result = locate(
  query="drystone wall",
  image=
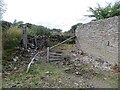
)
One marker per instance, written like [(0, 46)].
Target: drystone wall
[(100, 38)]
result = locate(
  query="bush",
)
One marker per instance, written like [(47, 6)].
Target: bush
[(11, 38), (39, 30)]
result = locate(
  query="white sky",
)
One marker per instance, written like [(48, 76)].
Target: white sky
[(50, 13)]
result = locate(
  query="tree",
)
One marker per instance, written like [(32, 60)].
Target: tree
[(38, 30), (5, 25), (73, 28), (2, 8), (115, 10), (105, 12), (55, 31), (17, 23)]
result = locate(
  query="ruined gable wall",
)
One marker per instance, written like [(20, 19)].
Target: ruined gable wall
[(100, 38)]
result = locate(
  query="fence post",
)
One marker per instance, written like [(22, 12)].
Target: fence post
[(35, 41), (48, 53), (25, 36)]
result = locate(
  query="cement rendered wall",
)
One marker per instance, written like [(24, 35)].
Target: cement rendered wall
[(100, 38)]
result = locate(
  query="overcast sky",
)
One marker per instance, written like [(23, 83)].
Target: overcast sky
[(51, 13)]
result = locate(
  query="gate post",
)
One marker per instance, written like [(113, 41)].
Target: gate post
[(48, 53)]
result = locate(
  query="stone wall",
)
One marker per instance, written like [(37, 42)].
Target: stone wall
[(100, 38)]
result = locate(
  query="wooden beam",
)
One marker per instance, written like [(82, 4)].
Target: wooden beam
[(38, 53), (62, 42)]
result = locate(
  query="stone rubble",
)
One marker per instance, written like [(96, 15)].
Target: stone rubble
[(95, 63)]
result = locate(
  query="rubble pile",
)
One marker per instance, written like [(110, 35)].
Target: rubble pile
[(98, 63), (88, 66), (21, 59)]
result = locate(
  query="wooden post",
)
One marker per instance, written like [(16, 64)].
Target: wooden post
[(25, 36), (48, 53), (35, 41)]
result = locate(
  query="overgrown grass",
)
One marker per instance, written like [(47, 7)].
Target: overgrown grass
[(113, 80), (33, 78), (10, 42), (11, 38)]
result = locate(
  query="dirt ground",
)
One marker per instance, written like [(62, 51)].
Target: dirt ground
[(70, 74)]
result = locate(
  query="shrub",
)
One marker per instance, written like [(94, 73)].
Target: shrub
[(11, 38)]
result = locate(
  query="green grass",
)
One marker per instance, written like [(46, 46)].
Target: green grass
[(33, 78), (113, 80)]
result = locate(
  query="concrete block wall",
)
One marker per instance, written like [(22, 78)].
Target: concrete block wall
[(100, 38)]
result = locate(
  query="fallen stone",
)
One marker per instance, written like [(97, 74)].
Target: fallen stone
[(115, 68), (74, 55), (14, 59), (80, 81), (67, 69), (105, 78), (77, 73), (60, 81), (48, 73), (28, 50), (14, 85), (15, 68), (76, 84)]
